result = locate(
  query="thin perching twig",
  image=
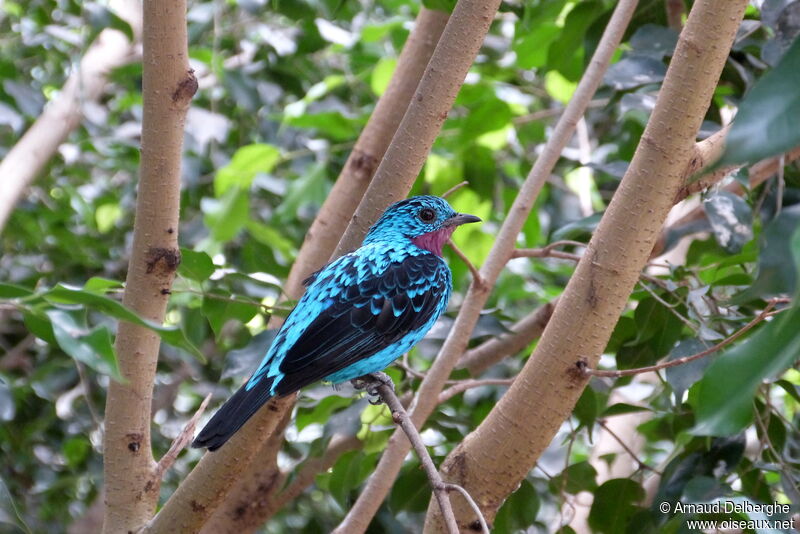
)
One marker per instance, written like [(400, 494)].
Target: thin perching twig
[(454, 189), (627, 449), (476, 275), (472, 504), (180, 442), (767, 312), (381, 384), (464, 385)]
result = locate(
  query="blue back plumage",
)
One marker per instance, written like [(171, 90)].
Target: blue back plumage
[(358, 314)]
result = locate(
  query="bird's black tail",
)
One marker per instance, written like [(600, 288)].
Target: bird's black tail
[(233, 414)]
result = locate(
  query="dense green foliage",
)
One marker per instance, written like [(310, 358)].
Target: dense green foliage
[(285, 87)]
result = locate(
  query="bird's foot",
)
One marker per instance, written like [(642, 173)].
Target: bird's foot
[(371, 382)]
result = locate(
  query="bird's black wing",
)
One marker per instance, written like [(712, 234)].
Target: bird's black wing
[(365, 318)]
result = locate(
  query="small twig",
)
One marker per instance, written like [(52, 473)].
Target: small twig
[(381, 384), (476, 275), (627, 449), (180, 442), (680, 361), (670, 307), (464, 385), (87, 395), (472, 504), (548, 251), (543, 253), (17, 357), (454, 189)]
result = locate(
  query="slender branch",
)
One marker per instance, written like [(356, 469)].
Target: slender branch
[(767, 312), (554, 112), (472, 504), (523, 332), (476, 275), (181, 441), (16, 357), (381, 384), (454, 189), (313, 466), (464, 385), (622, 444)]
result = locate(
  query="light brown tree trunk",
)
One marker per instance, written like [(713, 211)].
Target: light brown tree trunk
[(131, 489), (493, 459)]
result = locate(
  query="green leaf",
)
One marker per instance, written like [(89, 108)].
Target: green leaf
[(681, 377), (411, 491), (346, 476), (776, 276), (563, 52), (228, 215), (577, 477), (271, 237), (219, 308), (492, 114), (76, 450), (330, 123), (382, 74), (531, 47), (614, 503), (90, 346), (440, 5), (246, 163), (731, 220), (173, 335), (13, 291), (321, 411), (310, 188), (723, 399), (519, 511), (107, 215), (634, 71), (195, 265), (766, 123), (98, 284)]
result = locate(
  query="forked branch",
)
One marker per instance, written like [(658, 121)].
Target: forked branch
[(381, 385)]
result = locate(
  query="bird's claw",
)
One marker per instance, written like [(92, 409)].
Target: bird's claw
[(371, 382)]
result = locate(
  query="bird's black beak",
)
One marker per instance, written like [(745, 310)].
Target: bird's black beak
[(461, 218)]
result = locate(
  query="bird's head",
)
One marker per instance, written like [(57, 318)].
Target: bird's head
[(426, 221)]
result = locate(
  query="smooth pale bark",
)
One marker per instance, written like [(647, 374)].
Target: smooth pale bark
[(26, 159), (168, 85), (492, 460), (380, 482)]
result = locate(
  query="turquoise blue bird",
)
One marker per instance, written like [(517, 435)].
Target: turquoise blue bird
[(359, 313)]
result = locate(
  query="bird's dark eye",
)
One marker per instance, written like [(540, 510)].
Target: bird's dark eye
[(427, 215)]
